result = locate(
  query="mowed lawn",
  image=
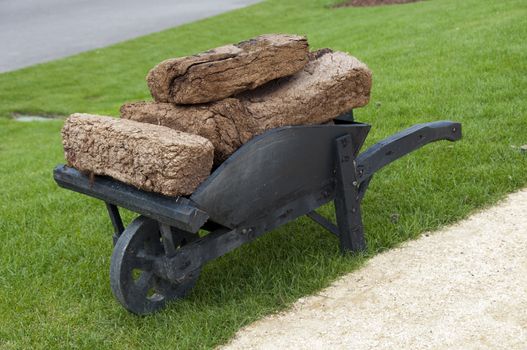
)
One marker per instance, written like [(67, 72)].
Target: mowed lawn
[(438, 59)]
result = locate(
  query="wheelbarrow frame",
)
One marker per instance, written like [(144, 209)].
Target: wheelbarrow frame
[(335, 172)]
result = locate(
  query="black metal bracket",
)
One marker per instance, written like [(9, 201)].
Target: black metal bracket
[(168, 239), (117, 222), (325, 223), (347, 199), (193, 256)]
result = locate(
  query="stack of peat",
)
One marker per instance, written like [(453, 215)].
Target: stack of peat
[(208, 105)]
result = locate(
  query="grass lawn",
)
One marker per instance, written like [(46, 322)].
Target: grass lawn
[(437, 59)]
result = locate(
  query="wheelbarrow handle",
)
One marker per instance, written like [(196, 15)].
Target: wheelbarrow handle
[(402, 143)]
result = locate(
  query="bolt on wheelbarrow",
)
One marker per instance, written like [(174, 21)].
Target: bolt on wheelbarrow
[(273, 179)]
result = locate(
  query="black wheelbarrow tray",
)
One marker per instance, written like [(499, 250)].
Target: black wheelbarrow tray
[(271, 180)]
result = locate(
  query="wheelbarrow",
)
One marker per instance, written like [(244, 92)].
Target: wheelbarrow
[(273, 179)]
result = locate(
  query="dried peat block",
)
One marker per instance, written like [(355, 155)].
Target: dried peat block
[(224, 123), (149, 157), (330, 84), (227, 70)]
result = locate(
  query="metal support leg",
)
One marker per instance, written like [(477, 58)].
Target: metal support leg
[(117, 222), (347, 198), (168, 239), (325, 223)]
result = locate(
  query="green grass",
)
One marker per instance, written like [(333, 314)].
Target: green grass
[(438, 59)]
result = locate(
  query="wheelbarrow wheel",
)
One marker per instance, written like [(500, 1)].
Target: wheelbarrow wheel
[(132, 277)]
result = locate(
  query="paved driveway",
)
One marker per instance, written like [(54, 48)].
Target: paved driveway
[(35, 31)]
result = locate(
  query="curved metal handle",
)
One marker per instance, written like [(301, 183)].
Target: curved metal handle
[(402, 143)]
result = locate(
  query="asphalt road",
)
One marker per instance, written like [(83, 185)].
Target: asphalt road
[(36, 31)]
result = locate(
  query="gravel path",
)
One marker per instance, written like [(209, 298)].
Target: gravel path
[(463, 287)]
